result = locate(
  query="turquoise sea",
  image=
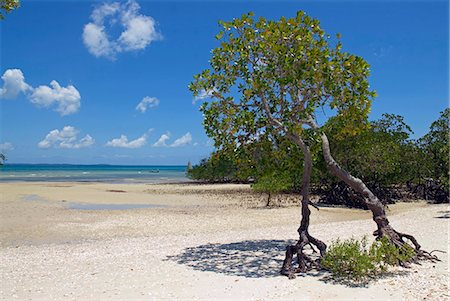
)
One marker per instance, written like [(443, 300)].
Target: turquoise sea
[(92, 173)]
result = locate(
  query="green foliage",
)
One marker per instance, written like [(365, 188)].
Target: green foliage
[(219, 168), (380, 153), (266, 81), (276, 160), (435, 146), (285, 69), (385, 253), (384, 154), (6, 6), (273, 182), (255, 160), (2, 159), (349, 260), (353, 260)]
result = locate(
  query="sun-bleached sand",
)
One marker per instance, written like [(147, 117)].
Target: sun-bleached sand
[(190, 242)]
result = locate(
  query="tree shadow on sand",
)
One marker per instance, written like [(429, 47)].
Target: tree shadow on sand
[(250, 258), (257, 259), (328, 278)]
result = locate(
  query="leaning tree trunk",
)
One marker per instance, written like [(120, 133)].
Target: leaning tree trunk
[(373, 203), (304, 261)]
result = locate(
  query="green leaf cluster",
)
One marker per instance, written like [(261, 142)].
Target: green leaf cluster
[(285, 69), (273, 182), (435, 145), (257, 161), (219, 168), (353, 260), (381, 153), (6, 6)]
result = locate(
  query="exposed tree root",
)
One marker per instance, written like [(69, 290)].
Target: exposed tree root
[(305, 262), (400, 240)]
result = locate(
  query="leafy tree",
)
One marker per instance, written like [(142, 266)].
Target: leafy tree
[(381, 155), (218, 168), (2, 159), (273, 183), (272, 77), (375, 154), (432, 178), (6, 6), (252, 161), (436, 146)]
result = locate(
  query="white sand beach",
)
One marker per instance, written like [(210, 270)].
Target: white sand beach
[(190, 242)]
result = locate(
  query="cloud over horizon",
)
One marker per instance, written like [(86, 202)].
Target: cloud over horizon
[(183, 140), (137, 30), (65, 138), (66, 99), (123, 142), (162, 140)]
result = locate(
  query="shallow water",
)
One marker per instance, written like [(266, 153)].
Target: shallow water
[(92, 173), (33, 198)]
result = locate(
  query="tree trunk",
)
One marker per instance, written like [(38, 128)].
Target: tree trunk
[(268, 199), (305, 237), (372, 202)]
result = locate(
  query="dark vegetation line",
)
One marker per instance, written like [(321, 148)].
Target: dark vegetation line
[(394, 166)]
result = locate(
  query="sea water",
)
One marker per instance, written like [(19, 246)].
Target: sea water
[(93, 173)]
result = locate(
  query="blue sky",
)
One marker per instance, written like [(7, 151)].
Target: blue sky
[(71, 96)]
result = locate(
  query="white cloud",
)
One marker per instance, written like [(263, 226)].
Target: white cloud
[(67, 98), (146, 103), (185, 139), (85, 142), (65, 138), (105, 10), (138, 30), (13, 84), (124, 143), (96, 40), (6, 146), (162, 140), (203, 95)]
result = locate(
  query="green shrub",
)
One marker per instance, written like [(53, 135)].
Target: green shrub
[(354, 261), (273, 183), (385, 253), (349, 260)]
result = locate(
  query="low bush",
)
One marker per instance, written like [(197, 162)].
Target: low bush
[(355, 261)]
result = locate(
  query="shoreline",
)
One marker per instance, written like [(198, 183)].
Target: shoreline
[(209, 241)]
